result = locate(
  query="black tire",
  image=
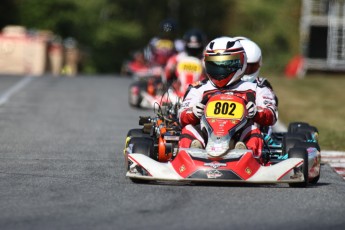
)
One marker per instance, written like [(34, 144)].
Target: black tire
[(299, 136), (308, 135), (299, 152), (315, 179), (289, 142), (139, 181), (293, 126), (303, 127), (143, 145), (142, 85), (311, 130), (308, 144), (313, 145), (137, 133)]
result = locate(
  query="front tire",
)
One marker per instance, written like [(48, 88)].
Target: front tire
[(300, 152), (134, 93), (143, 145)]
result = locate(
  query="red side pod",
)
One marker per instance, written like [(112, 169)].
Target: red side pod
[(185, 165), (247, 166)]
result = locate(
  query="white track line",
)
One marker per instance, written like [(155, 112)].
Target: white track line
[(14, 89)]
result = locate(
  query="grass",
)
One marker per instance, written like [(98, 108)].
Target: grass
[(317, 99)]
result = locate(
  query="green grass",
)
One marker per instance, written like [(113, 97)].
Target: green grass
[(316, 99)]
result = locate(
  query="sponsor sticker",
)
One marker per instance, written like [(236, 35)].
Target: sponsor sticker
[(215, 165), (248, 171), (213, 174)]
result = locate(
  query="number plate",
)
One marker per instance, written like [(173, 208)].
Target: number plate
[(189, 67), (224, 109)]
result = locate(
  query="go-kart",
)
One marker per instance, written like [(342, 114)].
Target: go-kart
[(152, 153), (148, 90)]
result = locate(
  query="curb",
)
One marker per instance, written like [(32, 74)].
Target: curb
[(336, 159)]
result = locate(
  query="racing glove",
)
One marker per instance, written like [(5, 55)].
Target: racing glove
[(251, 107), (198, 109)]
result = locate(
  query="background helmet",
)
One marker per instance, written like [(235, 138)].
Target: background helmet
[(225, 61), (254, 59), (168, 28), (194, 41)]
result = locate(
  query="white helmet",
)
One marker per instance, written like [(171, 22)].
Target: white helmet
[(254, 59), (225, 61)]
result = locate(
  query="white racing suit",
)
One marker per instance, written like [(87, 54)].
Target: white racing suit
[(266, 115)]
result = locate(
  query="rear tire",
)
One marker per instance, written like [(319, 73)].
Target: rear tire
[(294, 126), (307, 145), (302, 127), (299, 152), (289, 141)]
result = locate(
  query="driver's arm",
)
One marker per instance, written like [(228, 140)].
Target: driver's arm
[(267, 111), (186, 115)]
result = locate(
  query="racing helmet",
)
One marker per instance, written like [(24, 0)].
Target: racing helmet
[(254, 59), (194, 41), (225, 61), (167, 28)]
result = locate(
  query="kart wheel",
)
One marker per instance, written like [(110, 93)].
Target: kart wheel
[(143, 145), (137, 133), (134, 93), (299, 136), (138, 181), (134, 99), (293, 126), (312, 145), (315, 179), (299, 152), (308, 145), (312, 131), (302, 127), (289, 142)]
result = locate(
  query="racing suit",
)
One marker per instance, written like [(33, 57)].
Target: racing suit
[(159, 50), (172, 74), (263, 82), (266, 115)]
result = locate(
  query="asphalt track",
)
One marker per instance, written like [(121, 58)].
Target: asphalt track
[(62, 167)]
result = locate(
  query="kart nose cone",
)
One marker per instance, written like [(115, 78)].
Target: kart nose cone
[(217, 146)]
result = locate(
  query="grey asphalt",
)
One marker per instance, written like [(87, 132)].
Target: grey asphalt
[(62, 167)]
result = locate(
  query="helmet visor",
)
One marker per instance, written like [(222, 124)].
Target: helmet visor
[(220, 67)]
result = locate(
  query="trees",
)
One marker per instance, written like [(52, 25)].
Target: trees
[(108, 30)]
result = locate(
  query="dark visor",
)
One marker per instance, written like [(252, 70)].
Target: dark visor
[(222, 69)]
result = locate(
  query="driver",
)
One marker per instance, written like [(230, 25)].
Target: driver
[(162, 47), (194, 46), (225, 63), (254, 62)]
